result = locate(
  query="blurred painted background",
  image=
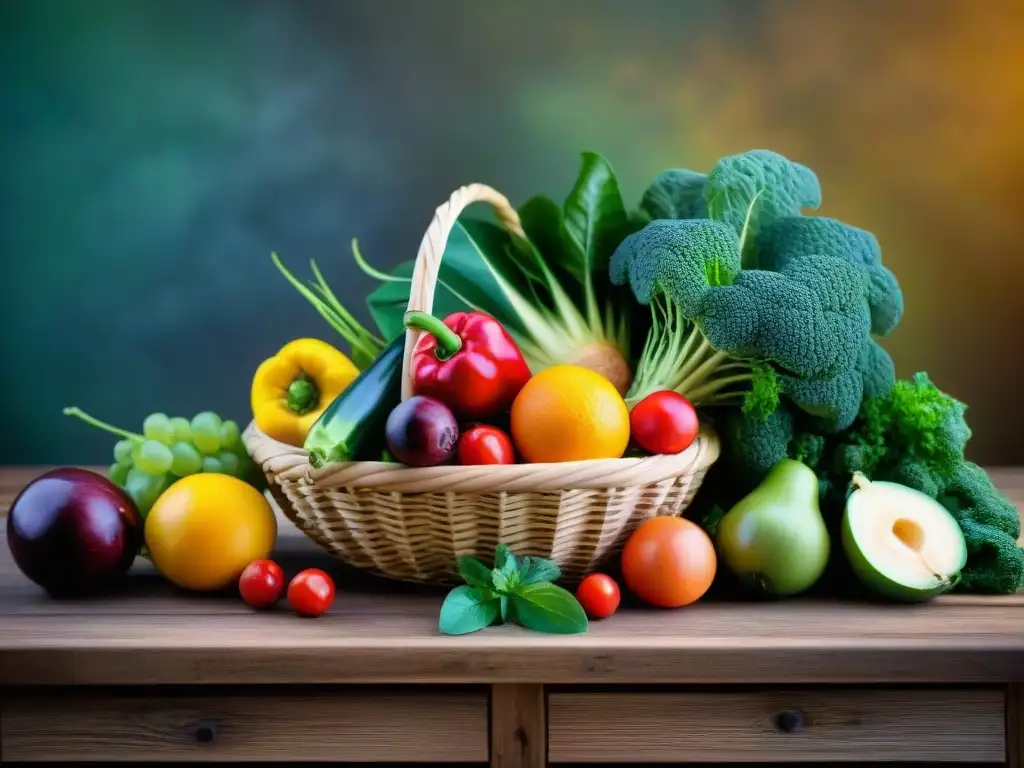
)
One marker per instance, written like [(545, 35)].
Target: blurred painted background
[(154, 153)]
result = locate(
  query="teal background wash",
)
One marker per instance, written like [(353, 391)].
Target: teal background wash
[(155, 152)]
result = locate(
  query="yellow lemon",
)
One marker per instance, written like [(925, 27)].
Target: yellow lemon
[(204, 529), (569, 413)]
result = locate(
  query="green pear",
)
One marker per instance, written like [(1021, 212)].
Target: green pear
[(775, 540)]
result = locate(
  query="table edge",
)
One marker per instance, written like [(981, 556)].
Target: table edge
[(983, 663)]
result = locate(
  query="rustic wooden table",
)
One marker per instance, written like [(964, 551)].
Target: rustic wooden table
[(156, 674)]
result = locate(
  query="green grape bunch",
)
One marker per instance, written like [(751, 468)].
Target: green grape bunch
[(146, 464)]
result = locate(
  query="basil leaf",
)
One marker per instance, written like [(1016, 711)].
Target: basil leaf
[(502, 554), (468, 609), (534, 569), (595, 221), (545, 607), (474, 573), (505, 607), (503, 582)]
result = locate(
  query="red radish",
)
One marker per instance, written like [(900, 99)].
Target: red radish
[(664, 422)]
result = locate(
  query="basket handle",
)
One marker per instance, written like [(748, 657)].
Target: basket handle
[(428, 260)]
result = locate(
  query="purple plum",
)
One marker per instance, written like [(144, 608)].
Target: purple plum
[(74, 532)]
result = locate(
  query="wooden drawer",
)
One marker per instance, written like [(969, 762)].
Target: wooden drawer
[(920, 725), (360, 725)]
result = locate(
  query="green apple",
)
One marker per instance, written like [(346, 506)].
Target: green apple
[(901, 543)]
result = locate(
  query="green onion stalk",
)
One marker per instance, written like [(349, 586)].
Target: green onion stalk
[(366, 346)]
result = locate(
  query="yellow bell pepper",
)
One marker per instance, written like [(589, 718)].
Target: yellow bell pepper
[(291, 389)]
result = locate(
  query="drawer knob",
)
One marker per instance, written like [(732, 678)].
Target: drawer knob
[(206, 732), (790, 721)]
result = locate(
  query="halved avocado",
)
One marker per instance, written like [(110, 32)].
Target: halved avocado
[(901, 543)]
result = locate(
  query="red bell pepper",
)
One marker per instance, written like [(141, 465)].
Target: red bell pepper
[(468, 361)]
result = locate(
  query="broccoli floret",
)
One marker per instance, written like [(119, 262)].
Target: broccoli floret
[(808, 448), (742, 190), (925, 424), (716, 329), (750, 190), (682, 258), (914, 434), (809, 318), (761, 400), (796, 237), (725, 333), (991, 526), (835, 401), (675, 193), (876, 368), (916, 474), (751, 446)]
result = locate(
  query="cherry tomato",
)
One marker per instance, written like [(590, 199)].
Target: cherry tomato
[(664, 422), (484, 444), (261, 583), (311, 592), (599, 595)]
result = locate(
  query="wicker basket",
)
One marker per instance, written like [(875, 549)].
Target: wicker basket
[(411, 524)]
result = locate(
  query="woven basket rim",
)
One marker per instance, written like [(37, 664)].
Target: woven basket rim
[(290, 463)]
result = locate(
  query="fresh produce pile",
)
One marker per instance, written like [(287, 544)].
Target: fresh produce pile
[(720, 296), (604, 331)]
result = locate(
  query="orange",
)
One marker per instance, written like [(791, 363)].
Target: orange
[(205, 528), (569, 413), (669, 562)]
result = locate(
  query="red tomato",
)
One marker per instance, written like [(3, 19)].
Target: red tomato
[(484, 444), (261, 583), (664, 422), (599, 595), (669, 562), (311, 592)]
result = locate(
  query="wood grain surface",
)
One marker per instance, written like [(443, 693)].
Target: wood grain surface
[(951, 725), (519, 737), (385, 633), (1015, 726), (360, 725)]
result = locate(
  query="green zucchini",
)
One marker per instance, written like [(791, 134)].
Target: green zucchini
[(352, 426)]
